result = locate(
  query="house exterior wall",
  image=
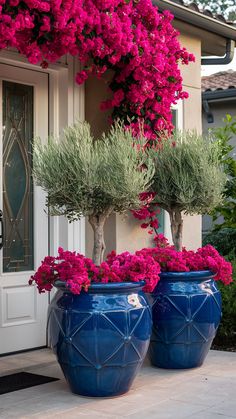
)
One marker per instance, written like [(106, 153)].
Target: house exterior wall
[(69, 102), (123, 232), (219, 110), (192, 119)]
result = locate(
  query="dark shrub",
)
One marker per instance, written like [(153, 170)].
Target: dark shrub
[(226, 335), (224, 241)]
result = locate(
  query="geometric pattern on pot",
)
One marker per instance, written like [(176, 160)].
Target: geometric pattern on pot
[(186, 314), (112, 332), (192, 316), (100, 337)]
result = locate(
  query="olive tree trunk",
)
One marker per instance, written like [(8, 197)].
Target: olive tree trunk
[(97, 222), (176, 223)]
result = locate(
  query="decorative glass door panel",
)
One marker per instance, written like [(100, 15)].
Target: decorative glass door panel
[(17, 180)]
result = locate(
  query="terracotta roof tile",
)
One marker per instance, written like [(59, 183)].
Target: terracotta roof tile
[(222, 80)]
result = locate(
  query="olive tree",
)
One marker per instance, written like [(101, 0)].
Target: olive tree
[(87, 177), (189, 178)]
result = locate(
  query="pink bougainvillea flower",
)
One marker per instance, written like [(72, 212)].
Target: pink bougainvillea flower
[(205, 258), (78, 272), (131, 38)]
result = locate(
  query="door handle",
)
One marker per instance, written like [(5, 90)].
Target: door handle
[(2, 230)]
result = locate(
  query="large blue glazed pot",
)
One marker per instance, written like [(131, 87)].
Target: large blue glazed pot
[(101, 336), (186, 309)]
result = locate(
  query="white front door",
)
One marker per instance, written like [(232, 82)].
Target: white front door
[(23, 115)]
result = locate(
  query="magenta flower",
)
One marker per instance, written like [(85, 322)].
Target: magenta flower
[(78, 272), (131, 38), (205, 258)]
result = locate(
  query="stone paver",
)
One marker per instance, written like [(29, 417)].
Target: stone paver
[(202, 393)]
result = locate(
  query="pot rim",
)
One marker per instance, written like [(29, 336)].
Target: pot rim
[(100, 288), (187, 276)]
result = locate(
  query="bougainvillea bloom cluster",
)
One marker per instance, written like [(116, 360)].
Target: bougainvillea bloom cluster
[(205, 258), (129, 37), (78, 272), (148, 213), (67, 266), (134, 268)]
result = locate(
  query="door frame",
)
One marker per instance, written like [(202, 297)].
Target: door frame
[(22, 313), (66, 105)]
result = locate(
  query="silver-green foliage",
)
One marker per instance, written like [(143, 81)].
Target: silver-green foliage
[(83, 176), (188, 174)]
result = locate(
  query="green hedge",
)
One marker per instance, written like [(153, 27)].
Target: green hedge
[(226, 335), (224, 241)]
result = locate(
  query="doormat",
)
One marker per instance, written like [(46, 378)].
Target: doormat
[(22, 380)]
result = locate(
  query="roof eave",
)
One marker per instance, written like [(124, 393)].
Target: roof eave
[(197, 19), (216, 95)]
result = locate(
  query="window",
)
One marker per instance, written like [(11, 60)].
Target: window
[(177, 112)]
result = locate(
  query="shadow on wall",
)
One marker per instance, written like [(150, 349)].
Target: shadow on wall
[(96, 91)]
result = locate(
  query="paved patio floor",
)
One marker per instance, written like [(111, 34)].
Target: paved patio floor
[(208, 392)]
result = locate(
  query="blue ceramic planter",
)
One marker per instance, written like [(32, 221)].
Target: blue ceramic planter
[(186, 308), (100, 337)]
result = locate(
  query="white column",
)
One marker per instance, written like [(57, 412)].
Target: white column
[(66, 106)]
